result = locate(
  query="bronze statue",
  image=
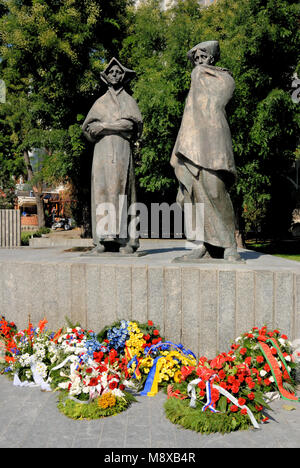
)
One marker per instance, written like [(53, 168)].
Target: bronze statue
[(203, 158), (114, 123)]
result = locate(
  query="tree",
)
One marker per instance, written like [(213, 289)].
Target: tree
[(259, 42), (52, 54)]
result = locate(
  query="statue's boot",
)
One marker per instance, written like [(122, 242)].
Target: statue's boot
[(127, 249), (196, 253), (231, 255), (100, 248)]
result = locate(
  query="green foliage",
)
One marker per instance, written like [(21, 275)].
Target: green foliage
[(179, 412), (52, 53), (259, 41), (76, 410), (26, 235)]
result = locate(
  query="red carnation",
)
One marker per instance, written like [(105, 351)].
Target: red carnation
[(244, 411), (243, 351), (113, 385), (186, 371), (241, 401), (274, 351), (248, 360), (259, 359), (223, 385), (235, 388), (93, 382), (230, 379), (215, 395), (234, 408), (150, 323), (155, 332), (98, 356), (201, 385), (251, 396), (261, 338)]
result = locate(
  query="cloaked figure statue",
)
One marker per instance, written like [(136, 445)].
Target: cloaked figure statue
[(114, 123), (203, 158)]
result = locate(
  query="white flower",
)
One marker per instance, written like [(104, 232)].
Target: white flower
[(263, 373), (288, 358), (271, 379), (63, 385), (117, 392), (281, 341), (41, 369)]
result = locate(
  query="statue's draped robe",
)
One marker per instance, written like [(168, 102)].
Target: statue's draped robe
[(113, 167), (203, 158)]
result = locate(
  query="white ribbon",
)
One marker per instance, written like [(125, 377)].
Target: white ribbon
[(38, 380), (62, 364), (192, 394)]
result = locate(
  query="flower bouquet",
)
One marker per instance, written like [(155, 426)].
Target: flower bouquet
[(7, 332), (90, 376), (28, 353), (150, 361), (229, 392)]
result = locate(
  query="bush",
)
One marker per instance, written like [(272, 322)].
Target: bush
[(25, 236)]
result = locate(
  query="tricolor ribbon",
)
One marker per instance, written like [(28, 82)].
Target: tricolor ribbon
[(192, 394), (209, 384), (209, 404)]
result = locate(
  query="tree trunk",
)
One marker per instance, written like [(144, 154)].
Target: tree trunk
[(239, 232), (37, 190), (239, 237)]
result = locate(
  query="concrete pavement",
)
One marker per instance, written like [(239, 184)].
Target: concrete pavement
[(29, 418)]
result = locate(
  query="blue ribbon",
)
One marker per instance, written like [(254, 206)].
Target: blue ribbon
[(166, 345), (150, 378)]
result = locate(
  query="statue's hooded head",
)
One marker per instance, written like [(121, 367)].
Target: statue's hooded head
[(116, 75), (204, 53)]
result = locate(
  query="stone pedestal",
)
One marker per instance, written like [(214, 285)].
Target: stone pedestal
[(203, 306)]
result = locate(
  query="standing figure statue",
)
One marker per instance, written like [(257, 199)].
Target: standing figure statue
[(114, 123), (203, 158)]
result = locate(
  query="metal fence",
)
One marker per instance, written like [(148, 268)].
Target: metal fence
[(10, 228)]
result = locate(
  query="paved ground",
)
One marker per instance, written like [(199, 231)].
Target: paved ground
[(29, 418)]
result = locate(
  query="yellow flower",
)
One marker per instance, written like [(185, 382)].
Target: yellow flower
[(177, 376), (107, 400)]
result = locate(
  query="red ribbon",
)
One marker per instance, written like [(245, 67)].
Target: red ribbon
[(276, 372)]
